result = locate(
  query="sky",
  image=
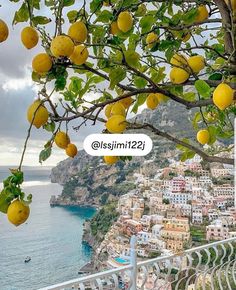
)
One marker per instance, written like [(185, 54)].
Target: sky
[(17, 92)]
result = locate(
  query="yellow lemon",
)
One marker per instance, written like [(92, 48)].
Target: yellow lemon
[(108, 110), (79, 55), (127, 102), (38, 114), (78, 31), (125, 21), (178, 75), (29, 37), (223, 96), (179, 60), (116, 124), (233, 4), (62, 140), (71, 150), (161, 98), (4, 32), (202, 13), (152, 101), (18, 212), (196, 63), (62, 45), (114, 29), (151, 39), (110, 159), (118, 109), (203, 136), (42, 63)]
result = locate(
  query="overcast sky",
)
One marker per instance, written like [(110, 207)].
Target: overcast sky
[(17, 92)]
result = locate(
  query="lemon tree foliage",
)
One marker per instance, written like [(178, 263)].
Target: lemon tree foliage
[(107, 58)]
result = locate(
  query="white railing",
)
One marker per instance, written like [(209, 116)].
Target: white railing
[(208, 267)]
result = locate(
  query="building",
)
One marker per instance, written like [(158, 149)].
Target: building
[(175, 233), (217, 231), (132, 227)]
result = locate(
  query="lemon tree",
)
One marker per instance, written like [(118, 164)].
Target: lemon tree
[(128, 54)]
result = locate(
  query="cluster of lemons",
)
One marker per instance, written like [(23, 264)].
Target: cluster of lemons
[(38, 115), (223, 97), (70, 46), (116, 121), (183, 67)]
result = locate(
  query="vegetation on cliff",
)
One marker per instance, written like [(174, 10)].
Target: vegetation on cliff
[(103, 220)]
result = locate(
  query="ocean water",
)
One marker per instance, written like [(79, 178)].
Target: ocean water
[(52, 237)]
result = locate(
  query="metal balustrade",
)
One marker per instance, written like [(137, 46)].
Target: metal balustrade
[(208, 267)]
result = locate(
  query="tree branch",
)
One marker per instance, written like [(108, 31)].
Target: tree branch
[(165, 135)]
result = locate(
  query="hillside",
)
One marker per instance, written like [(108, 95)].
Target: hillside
[(87, 180)]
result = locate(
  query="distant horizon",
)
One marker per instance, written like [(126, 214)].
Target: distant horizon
[(27, 166)]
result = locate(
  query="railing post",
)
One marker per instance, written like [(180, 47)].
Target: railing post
[(133, 262)]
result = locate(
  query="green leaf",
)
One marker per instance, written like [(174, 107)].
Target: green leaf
[(146, 23), (203, 89), (45, 154), (190, 96), (49, 3), (132, 58), (68, 2), (212, 130), (116, 75), (75, 84), (157, 75), (139, 82), (4, 202), (95, 4), (40, 20), (60, 83), (140, 101), (72, 15), (190, 16), (105, 16), (216, 77), (181, 147), (197, 118), (187, 155), (21, 15), (50, 127), (35, 77)]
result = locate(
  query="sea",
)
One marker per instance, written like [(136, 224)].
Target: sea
[(52, 238)]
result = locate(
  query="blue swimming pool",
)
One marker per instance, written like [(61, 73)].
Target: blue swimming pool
[(121, 260)]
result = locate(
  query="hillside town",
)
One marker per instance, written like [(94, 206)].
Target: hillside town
[(182, 206)]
